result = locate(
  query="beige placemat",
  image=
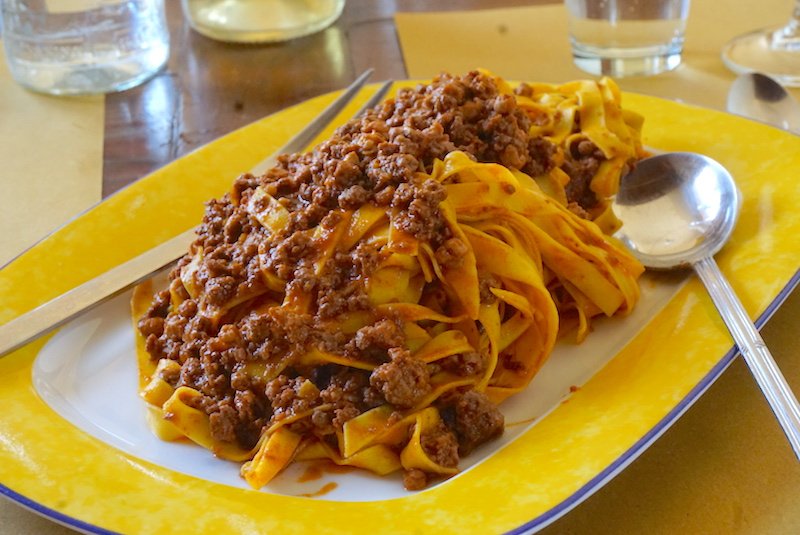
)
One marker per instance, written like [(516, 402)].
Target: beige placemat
[(531, 43), (51, 149), (725, 466)]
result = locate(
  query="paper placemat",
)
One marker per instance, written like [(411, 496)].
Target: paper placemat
[(531, 43), (52, 154)]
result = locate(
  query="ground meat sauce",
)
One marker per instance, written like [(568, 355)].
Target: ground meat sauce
[(373, 159), (581, 164)]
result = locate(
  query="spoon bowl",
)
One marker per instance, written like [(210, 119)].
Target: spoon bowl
[(678, 210), (757, 96)]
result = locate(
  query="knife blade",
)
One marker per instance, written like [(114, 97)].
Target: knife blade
[(56, 312)]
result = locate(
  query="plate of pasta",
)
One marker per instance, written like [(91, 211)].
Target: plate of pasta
[(427, 311)]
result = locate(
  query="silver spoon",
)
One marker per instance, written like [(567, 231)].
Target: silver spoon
[(678, 210), (757, 96)]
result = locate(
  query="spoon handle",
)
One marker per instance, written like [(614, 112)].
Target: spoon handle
[(752, 347)]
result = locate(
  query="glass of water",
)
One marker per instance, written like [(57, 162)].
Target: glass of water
[(627, 37), (79, 47), (260, 21)]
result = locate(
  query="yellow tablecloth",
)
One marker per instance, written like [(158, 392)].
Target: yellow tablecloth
[(725, 466)]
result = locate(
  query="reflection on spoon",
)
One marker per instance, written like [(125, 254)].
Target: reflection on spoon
[(678, 210)]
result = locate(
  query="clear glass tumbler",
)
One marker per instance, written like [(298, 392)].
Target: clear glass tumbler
[(260, 21), (627, 37), (80, 47)]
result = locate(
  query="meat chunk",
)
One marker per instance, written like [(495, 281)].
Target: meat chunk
[(477, 420), (582, 163), (417, 208), (440, 445), (223, 423), (415, 479), (290, 397), (372, 342), (451, 253), (403, 381)]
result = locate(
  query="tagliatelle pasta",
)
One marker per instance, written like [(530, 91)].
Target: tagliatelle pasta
[(572, 114), (372, 301)]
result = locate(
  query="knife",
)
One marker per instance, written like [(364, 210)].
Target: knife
[(113, 282)]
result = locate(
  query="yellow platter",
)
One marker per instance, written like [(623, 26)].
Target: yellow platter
[(53, 467)]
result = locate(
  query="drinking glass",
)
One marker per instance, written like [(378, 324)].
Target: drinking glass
[(773, 51), (260, 21), (627, 37), (83, 46)]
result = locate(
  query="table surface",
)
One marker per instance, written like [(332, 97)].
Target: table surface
[(210, 88)]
